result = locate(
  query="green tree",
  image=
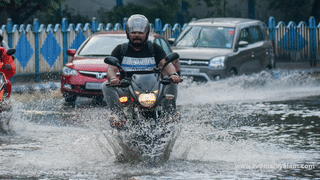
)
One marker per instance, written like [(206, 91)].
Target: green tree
[(294, 10), (20, 11), (166, 10), (220, 7), (68, 13)]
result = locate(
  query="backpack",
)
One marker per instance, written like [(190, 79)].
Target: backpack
[(124, 48)]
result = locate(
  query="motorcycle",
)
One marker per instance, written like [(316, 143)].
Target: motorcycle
[(5, 106), (148, 132)]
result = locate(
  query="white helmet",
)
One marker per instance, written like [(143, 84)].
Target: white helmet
[(137, 23)]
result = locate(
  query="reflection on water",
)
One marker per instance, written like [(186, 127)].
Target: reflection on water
[(246, 127)]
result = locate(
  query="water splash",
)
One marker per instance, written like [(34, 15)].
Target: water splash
[(135, 143), (254, 88), (225, 123)]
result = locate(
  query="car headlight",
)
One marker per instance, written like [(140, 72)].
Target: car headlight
[(147, 100), (69, 72), (217, 62)]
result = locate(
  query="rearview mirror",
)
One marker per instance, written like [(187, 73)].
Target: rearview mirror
[(111, 60), (170, 57), (71, 52), (11, 51), (243, 43), (171, 41)]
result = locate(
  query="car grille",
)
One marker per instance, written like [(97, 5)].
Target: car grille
[(98, 75), (194, 63)]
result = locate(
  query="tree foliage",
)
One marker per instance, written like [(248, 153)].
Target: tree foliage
[(166, 10), (293, 10), (20, 11), (315, 8), (219, 5), (68, 13)]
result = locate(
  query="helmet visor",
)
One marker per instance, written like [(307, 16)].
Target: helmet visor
[(138, 25)]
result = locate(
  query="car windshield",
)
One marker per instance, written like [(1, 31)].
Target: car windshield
[(101, 45), (207, 37)]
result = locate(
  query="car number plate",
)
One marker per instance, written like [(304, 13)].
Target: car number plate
[(187, 71), (93, 85)]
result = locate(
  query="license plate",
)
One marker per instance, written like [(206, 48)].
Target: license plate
[(93, 85), (188, 71)]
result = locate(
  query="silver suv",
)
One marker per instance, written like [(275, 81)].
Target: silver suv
[(215, 48)]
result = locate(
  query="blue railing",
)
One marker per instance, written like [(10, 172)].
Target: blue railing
[(293, 42), (43, 49)]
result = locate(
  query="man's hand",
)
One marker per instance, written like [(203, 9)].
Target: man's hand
[(114, 82), (7, 67), (175, 78)]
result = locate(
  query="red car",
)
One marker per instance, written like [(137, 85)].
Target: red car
[(84, 74)]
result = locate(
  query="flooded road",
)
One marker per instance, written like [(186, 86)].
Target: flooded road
[(253, 127)]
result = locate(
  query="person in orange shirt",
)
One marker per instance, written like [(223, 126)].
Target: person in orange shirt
[(8, 68)]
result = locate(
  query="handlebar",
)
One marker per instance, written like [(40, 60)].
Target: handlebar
[(125, 83), (166, 80)]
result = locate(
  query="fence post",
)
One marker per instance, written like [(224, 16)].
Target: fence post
[(272, 34), (94, 25), (9, 31), (36, 49), (124, 23), (313, 45), (176, 30), (158, 26), (271, 26), (64, 30)]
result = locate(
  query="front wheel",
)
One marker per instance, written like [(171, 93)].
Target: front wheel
[(149, 114), (233, 72), (69, 98), (98, 100)]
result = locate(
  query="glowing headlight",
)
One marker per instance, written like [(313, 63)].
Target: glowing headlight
[(123, 99), (69, 72), (217, 62), (147, 100)]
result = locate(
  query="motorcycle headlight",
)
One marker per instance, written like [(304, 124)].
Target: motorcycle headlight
[(69, 72), (217, 62), (147, 100)]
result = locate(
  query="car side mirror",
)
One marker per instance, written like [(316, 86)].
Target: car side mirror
[(71, 52), (243, 44), (11, 51), (171, 41)]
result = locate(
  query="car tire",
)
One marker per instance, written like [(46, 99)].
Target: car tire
[(98, 100), (233, 72), (269, 71), (70, 98)]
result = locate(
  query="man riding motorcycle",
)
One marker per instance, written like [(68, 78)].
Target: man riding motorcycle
[(8, 68), (138, 56)]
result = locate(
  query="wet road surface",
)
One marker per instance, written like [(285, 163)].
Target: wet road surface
[(253, 127)]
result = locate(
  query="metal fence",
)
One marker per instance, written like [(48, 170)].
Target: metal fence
[(43, 49), (295, 43)]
